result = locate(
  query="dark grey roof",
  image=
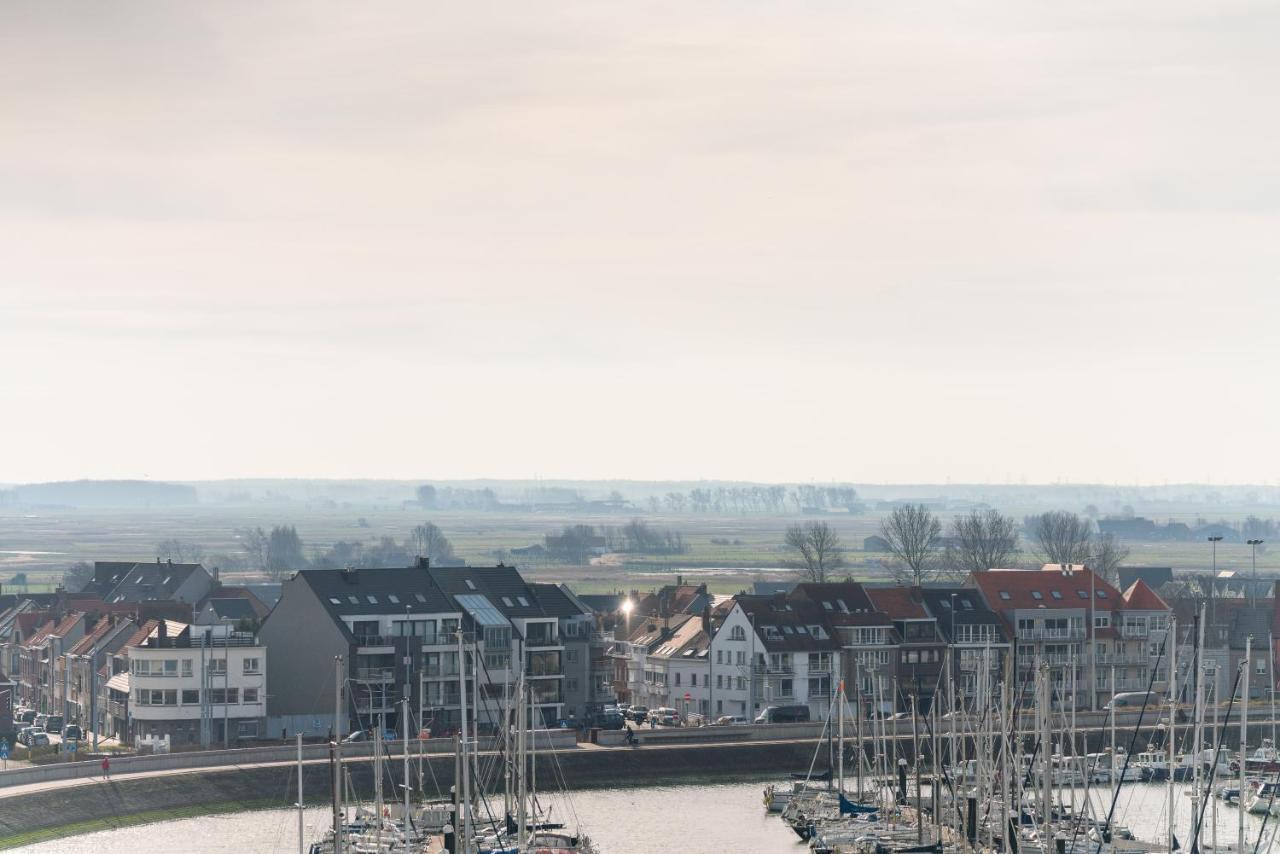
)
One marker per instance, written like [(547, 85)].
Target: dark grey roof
[(152, 582), (768, 588), (971, 609), (232, 609), (107, 574), (1249, 620), (503, 585), (602, 603), (554, 602), (348, 592), (791, 619)]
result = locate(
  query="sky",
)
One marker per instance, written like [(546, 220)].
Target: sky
[(860, 241)]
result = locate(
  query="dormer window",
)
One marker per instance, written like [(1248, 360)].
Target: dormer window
[(1056, 594), (471, 585), (1004, 594), (1036, 594)]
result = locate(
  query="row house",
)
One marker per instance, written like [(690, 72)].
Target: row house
[(867, 639), (39, 662), (121, 582), (778, 651), (422, 634), (82, 664), (187, 684), (920, 648), (642, 657), (1065, 617), (978, 643), (586, 673)]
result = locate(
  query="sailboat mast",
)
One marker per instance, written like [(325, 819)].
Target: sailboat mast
[(338, 821), (840, 756), (466, 765), (405, 818), (1171, 641), (302, 838), (1197, 740), (1244, 737)]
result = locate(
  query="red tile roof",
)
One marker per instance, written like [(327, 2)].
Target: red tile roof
[(1141, 597), (1022, 586), (86, 643), (900, 603), (144, 631)]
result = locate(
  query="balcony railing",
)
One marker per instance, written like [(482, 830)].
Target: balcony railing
[(1074, 633), (375, 640), (1130, 631), (376, 674), (436, 671)]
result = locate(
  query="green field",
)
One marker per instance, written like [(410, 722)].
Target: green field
[(42, 543)]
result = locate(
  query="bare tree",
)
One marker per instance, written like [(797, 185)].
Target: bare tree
[(985, 539), (912, 533), (1106, 556), (427, 540), (1062, 537), (819, 548), (77, 576)]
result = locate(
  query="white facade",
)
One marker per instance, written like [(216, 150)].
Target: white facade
[(793, 678), (191, 693)]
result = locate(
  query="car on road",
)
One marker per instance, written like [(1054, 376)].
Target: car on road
[(610, 720), (38, 739), (730, 720), (666, 716), (29, 732), (27, 716), (53, 723), (72, 732), (638, 714)]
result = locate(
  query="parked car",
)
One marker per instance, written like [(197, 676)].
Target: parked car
[(72, 732), (730, 720), (39, 739), (27, 717), (1134, 700), (666, 716), (27, 733), (611, 720), (783, 715), (40, 720), (53, 723), (638, 713)]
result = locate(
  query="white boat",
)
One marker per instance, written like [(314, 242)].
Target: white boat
[(1263, 799)]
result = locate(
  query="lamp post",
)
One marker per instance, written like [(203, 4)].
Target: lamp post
[(1253, 544), (1213, 579)]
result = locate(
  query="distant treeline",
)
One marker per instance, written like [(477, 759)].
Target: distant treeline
[(721, 499), (100, 493)]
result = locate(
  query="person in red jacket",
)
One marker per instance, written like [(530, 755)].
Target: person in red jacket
[(106, 768)]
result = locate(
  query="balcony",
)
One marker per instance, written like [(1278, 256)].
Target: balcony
[(376, 674), (375, 640), (1074, 633), (439, 671), (1130, 631)]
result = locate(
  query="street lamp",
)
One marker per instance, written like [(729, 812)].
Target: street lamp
[(1253, 544), (1213, 579)]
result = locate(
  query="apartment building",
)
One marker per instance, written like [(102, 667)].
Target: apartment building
[(868, 642), (920, 648), (84, 660), (774, 651), (1068, 619), (979, 645), (187, 684), (422, 633)]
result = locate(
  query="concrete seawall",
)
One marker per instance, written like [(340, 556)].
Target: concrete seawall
[(93, 805)]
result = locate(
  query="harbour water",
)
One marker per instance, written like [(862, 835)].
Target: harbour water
[(629, 819)]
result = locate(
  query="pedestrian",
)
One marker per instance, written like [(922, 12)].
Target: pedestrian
[(631, 736), (106, 768), (284, 733)]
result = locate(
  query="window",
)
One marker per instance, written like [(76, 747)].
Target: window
[(719, 656), (247, 729), (150, 697), (334, 600), (373, 600), (1056, 594), (252, 665), (719, 681), (186, 667), (742, 684), (786, 688), (190, 698), (1035, 594), (524, 603), (506, 600), (1082, 594), (1004, 594), (742, 658), (738, 633), (1102, 594), (393, 599), (1101, 621), (224, 697), (1260, 666), (353, 600), (572, 684), (471, 585), (571, 656), (827, 605), (218, 666), (251, 695), (420, 598), (693, 680), (677, 678)]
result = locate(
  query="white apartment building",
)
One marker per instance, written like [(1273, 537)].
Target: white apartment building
[(195, 685)]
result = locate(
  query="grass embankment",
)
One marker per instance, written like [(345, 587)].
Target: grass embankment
[(79, 828)]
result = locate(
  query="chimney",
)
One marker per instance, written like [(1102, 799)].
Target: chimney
[(162, 630), (170, 561), (679, 581), (215, 577), (422, 563)]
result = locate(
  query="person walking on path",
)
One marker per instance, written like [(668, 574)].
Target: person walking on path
[(106, 768)]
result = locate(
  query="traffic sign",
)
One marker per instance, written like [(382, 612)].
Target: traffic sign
[(71, 745), (687, 696), (4, 750)]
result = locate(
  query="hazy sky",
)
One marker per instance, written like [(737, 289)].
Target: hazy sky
[(872, 241)]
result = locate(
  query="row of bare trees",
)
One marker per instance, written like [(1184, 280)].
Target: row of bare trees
[(982, 539)]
